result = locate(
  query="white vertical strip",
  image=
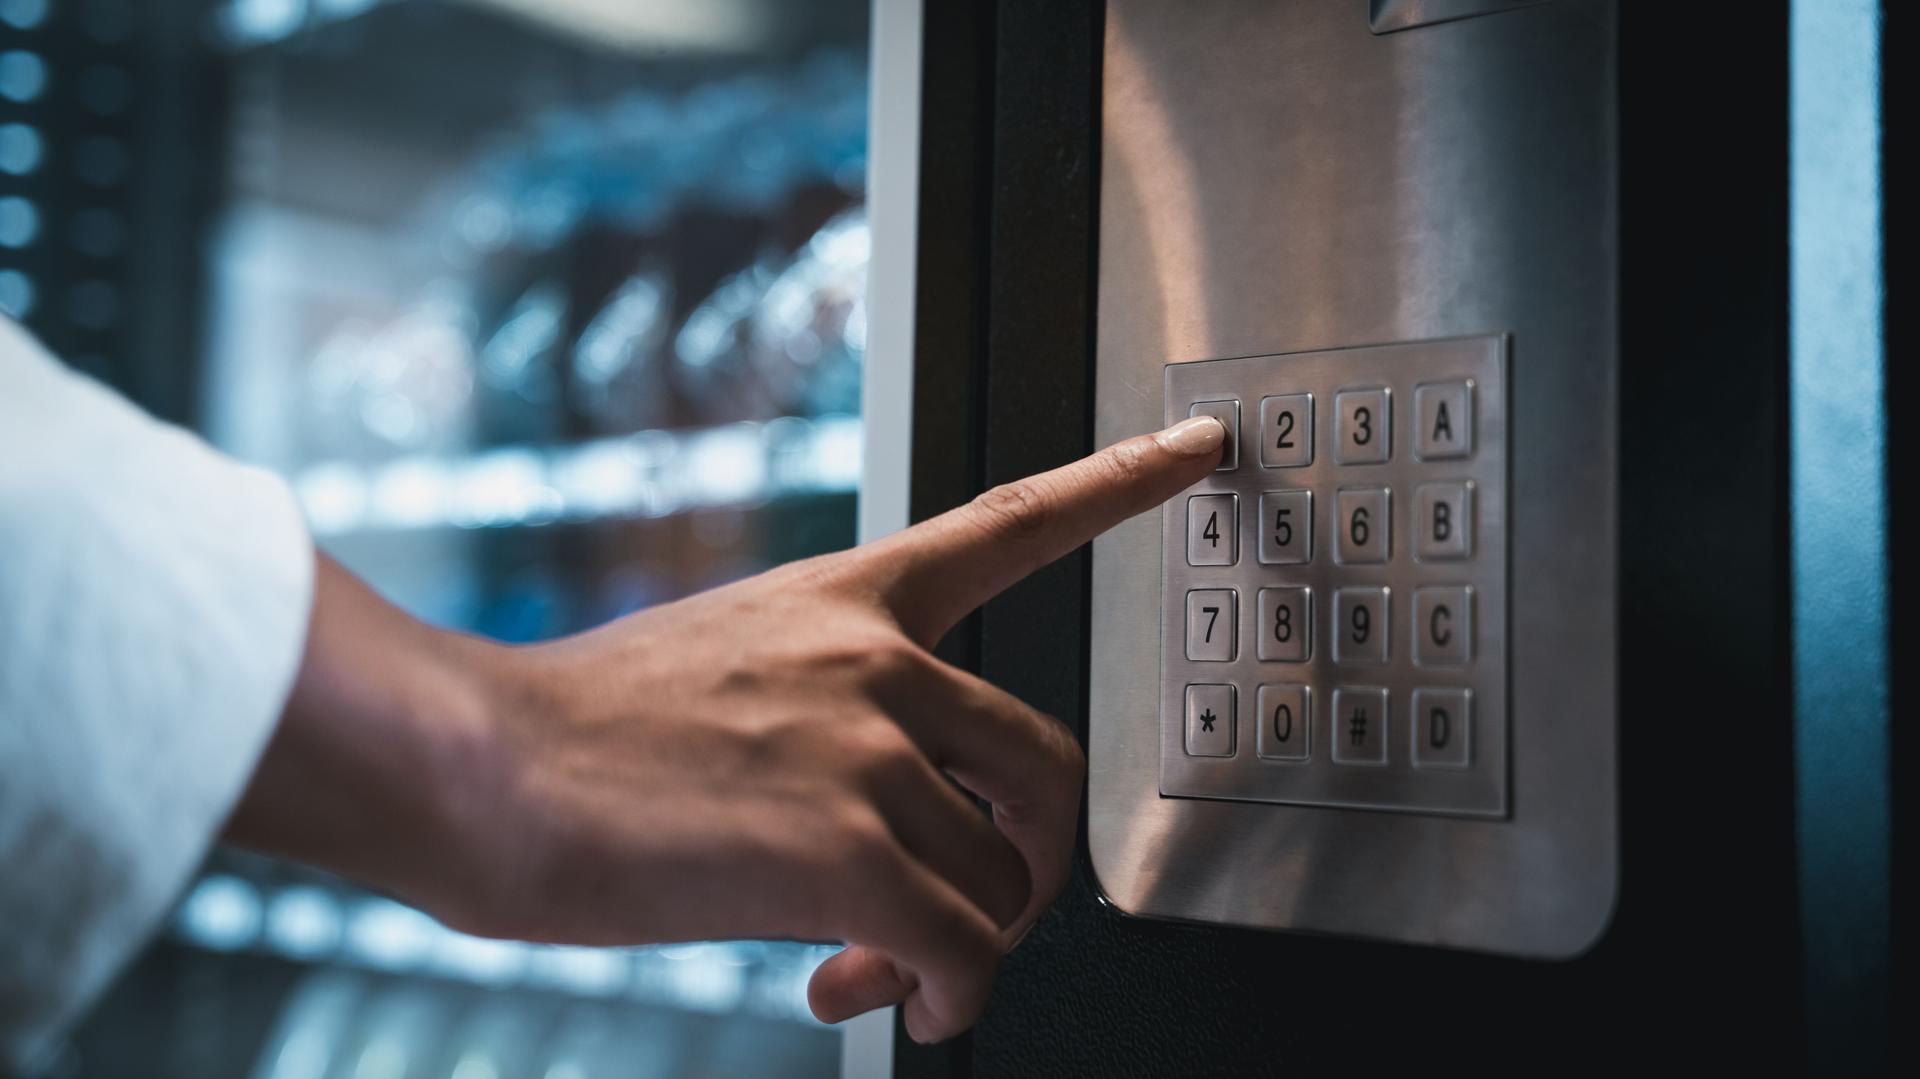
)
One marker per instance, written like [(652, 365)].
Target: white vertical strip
[(886, 390), (1844, 809), (893, 204)]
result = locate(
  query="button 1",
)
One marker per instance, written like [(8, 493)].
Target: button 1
[(1286, 624), (1442, 626), (1286, 527), (1444, 413), (1210, 625), (1359, 727), (1443, 522), (1286, 430), (1442, 728), (1210, 721), (1228, 413), (1285, 721), (1362, 426), (1360, 625), (1213, 530), (1362, 525)]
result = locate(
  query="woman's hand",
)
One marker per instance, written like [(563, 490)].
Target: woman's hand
[(768, 759)]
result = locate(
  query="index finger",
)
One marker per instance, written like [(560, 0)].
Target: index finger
[(945, 567)]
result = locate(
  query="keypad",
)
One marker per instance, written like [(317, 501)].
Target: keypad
[(1345, 579)]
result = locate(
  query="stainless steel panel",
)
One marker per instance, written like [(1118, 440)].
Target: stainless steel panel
[(1386, 16), (1276, 178)]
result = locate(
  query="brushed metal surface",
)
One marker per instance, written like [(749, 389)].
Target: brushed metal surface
[(1386, 16), (1276, 178), (1392, 657)]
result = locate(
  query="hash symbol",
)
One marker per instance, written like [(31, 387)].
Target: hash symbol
[(1357, 727)]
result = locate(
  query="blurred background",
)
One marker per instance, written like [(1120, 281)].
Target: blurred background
[(550, 310)]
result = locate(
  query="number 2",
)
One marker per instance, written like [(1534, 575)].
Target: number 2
[(1285, 423)]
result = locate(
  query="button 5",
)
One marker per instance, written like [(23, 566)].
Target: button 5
[(1286, 527)]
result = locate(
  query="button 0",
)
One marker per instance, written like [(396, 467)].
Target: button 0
[(1286, 527), (1362, 525), (1362, 426), (1286, 430), (1213, 530), (1210, 721), (1442, 626), (1443, 522), (1286, 624), (1211, 620), (1443, 414), (1442, 728), (1359, 728), (1360, 625), (1228, 413), (1285, 718)]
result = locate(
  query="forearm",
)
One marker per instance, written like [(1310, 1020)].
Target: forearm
[(386, 749)]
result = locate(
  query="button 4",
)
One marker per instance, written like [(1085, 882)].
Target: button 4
[(1228, 413), (1213, 530), (1210, 721)]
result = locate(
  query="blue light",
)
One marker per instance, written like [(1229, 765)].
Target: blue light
[(22, 75), (1839, 525), (19, 149)]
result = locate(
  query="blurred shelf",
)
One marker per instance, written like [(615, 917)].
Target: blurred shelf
[(648, 474)]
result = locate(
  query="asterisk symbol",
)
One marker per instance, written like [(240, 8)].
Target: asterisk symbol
[(1206, 721)]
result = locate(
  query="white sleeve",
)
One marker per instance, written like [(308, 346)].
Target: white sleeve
[(154, 599)]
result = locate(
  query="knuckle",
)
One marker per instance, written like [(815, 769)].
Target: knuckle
[(1012, 511)]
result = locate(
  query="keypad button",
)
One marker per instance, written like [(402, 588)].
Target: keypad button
[(1443, 522), (1363, 525), (1362, 426), (1210, 721), (1442, 626), (1443, 413), (1213, 530), (1286, 527), (1286, 430), (1285, 718), (1210, 624), (1358, 730), (1286, 624), (1228, 413), (1442, 728), (1361, 625)]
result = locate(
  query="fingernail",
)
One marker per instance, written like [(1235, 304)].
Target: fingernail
[(1196, 436)]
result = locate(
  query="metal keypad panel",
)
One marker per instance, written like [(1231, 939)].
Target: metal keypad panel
[(1352, 590)]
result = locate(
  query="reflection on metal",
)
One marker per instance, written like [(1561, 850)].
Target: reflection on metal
[(1841, 706), (1277, 178), (1386, 16)]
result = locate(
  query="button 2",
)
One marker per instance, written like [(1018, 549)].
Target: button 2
[(1286, 527), (1359, 728), (1360, 625), (1286, 624), (1284, 714), (1213, 530), (1210, 721), (1286, 430), (1228, 413), (1442, 626), (1362, 525), (1362, 426), (1442, 728), (1443, 412), (1211, 620), (1443, 522)]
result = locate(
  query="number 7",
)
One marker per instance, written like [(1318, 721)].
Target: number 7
[(1213, 615)]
